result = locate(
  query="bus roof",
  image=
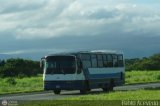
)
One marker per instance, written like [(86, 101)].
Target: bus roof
[(87, 52), (105, 51)]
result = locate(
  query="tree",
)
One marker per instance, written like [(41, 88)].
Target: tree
[(150, 63), (2, 62), (19, 67)]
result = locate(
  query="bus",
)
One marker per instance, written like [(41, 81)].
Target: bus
[(83, 71)]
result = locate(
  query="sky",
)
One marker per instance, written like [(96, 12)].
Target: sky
[(32, 29)]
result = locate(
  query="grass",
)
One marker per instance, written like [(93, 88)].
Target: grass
[(72, 103), (29, 84), (16, 85), (142, 77), (122, 95)]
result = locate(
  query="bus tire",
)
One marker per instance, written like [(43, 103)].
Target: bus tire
[(106, 89), (83, 91), (57, 91), (112, 84), (110, 87), (86, 88)]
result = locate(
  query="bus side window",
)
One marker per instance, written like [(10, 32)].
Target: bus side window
[(94, 61), (100, 60), (115, 60), (105, 63), (120, 61), (110, 60)]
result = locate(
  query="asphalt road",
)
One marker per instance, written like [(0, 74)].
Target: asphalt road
[(65, 94)]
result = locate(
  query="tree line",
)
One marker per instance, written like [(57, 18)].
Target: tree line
[(146, 63), (19, 68)]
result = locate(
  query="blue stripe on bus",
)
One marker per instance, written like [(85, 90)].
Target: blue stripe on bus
[(102, 76)]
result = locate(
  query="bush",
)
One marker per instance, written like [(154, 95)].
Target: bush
[(11, 81), (158, 77), (21, 75), (20, 68), (150, 63)]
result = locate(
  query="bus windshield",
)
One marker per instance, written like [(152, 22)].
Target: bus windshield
[(60, 65)]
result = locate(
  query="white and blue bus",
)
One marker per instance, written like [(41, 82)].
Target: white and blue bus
[(83, 71)]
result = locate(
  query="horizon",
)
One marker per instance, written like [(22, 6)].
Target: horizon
[(7, 56)]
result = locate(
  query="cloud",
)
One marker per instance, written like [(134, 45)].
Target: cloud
[(29, 51), (57, 18), (44, 26), (20, 6)]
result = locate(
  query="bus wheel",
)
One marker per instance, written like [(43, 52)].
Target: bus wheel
[(105, 89), (111, 88), (84, 91), (112, 84), (57, 91)]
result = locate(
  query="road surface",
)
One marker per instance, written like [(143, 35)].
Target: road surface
[(65, 94)]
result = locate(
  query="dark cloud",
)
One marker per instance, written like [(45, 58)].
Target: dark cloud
[(131, 46), (20, 6)]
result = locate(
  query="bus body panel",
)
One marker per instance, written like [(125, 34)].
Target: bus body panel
[(105, 70), (60, 77), (100, 77), (65, 82), (96, 78), (64, 85)]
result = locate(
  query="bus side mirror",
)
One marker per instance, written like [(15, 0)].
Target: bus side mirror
[(79, 63), (42, 64)]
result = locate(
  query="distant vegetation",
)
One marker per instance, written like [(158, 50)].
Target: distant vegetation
[(150, 63), (19, 68)]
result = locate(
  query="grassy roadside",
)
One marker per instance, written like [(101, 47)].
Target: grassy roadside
[(142, 77), (30, 84), (122, 95), (105, 99), (18, 85)]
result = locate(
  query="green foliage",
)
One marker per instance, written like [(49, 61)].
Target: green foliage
[(11, 81), (19, 68), (150, 63), (26, 84), (142, 76), (2, 62)]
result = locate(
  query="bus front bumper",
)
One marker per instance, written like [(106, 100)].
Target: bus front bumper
[(63, 85)]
